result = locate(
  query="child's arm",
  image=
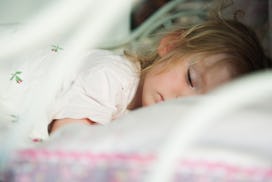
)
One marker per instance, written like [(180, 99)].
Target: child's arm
[(58, 123)]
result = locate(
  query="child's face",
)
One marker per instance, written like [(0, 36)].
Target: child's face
[(184, 79)]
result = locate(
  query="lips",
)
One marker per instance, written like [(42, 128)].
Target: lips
[(160, 98)]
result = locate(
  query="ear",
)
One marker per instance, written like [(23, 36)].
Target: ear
[(167, 44)]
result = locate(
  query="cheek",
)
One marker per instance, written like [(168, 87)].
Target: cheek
[(174, 83), (155, 79), (215, 79)]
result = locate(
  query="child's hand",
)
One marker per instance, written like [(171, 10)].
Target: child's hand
[(58, 123)]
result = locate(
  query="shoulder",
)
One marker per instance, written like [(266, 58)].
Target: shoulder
[(109, 63)]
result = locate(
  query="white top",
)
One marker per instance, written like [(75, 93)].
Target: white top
[(102, 91)]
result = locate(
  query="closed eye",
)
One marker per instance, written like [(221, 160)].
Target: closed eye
[(189, 78)]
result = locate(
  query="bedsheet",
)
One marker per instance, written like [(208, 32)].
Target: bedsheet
[(235, 148)]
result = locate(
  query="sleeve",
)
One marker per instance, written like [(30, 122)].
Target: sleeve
[(93, 96)]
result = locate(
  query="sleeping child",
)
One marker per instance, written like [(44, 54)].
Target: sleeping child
[(187, 61)]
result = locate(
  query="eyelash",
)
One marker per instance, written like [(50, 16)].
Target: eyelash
[(189, 78)]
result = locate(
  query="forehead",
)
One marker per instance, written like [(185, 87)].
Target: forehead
[(212, 71)]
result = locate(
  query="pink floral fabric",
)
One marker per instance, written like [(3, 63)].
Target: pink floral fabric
[(64, 166)]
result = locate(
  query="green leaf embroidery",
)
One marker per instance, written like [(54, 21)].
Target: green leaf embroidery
[(15, 76), (56, 48), (14, 118)]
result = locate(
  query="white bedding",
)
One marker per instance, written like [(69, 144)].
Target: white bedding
[(235, 144), (235, 141)]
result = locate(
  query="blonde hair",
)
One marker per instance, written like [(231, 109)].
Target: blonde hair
[(214, 36)]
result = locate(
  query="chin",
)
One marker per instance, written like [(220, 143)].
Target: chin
[(146, 103), (150, 103)]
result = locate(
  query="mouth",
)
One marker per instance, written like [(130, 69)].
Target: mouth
[(161, 98)]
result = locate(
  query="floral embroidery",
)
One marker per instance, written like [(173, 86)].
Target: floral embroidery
[(37, 140), (56, 48), (15, 76)]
